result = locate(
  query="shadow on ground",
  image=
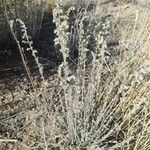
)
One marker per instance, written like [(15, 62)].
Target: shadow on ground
[(10, 61)]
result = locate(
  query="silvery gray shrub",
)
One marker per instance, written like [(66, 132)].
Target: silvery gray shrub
[(29, 11)]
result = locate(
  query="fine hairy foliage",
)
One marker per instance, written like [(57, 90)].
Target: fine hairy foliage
[(29, 11), (100, 98)]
